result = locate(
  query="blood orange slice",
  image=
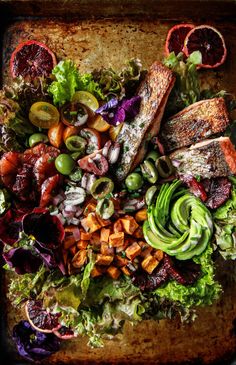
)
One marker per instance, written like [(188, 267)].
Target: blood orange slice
[(175, 38), (40, 319), (210, 42), (32, 59)]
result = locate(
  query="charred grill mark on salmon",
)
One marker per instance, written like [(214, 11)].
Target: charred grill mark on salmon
[(154, 92), (207, 159), (198, 121)]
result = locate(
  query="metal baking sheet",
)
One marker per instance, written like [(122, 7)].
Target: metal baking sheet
[(104, 33)]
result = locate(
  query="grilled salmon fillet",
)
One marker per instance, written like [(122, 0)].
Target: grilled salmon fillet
[(207, 159), (154, 92), (198, 121)]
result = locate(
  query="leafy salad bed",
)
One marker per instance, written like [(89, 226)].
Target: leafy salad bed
[(88, 253)]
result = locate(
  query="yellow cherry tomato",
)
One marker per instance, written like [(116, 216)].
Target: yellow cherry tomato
[(114, 131), (44, 115), (98, 123), (87, 99)]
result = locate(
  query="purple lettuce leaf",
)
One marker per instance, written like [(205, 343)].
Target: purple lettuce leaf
[(22, 260), (34, 345), (115, 112)]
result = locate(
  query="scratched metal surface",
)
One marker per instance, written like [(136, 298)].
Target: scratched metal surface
[(94, 43)]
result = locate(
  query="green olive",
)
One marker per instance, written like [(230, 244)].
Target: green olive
[(164, 166), (150, 194), (37, 138), (134, 181), (153, 156), (102, 187), (149, 171), (64, 164), (76, 175), (105, 208), (76, 144)]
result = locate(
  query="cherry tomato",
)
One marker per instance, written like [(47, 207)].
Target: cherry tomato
[(98, 123), (93, 139), (55, 135), (74, 114), (44, 115), (70, 131), (86, 98)]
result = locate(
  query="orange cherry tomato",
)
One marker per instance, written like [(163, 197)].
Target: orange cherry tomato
[(70, 131), (98, 123), (55, 135)]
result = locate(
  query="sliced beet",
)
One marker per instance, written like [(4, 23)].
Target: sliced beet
[(194, 186), (149, 282), (40, 318), (184, 272)]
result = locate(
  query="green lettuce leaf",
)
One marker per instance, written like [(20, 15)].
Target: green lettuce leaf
[(69, 80), (203, 292), (86, 274), (225, 225)]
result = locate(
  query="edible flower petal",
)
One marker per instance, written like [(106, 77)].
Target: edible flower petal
[(9, 228), (34, 345), (22, 260)]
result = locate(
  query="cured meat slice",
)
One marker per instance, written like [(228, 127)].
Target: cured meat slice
[(198, 121), (207, 159), (154, 92)]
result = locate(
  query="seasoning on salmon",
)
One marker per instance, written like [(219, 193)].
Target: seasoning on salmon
[(198, 121), (207, 159), (133, 137)]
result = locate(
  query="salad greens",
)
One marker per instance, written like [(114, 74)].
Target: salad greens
[(225, 224)]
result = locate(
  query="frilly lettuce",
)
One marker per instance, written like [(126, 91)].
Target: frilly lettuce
[(203, 292), (69, 80), (225, 224)]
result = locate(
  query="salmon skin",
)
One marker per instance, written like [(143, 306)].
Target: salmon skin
[(207, 159), (198, 121), (134, 136)]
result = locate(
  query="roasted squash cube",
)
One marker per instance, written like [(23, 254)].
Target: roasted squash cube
[(105, 260), (96, 272), (125, 270), (149, 264), (138, 233), (116, 239), (90, 223), (158, 254), (129, 224), (141, 215), (106, 250), (118, 227), (120, 261), (90, 208), (85, 236), (133, 251), (113, 272), (105, 234), (82, 245)]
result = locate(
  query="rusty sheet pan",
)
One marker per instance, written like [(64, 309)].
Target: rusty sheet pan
[(107, 33)]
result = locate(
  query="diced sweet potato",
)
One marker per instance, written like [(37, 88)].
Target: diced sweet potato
[(125, 270), (126, 244), (120, 261), (133, 251), (104, 259), (141, 215), (129, 224), (79, 259), (138, 233), (106, 250), (149, 264), (158, 254), (68, 241), (113, 272), (73, 249), (90, 224), (65, 256), (96, 272), (85, 236), (104, 235), (103, 222), (90, 208), (118, 227), (95, 240), (116, 239), (146, 251), (82, 244)]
